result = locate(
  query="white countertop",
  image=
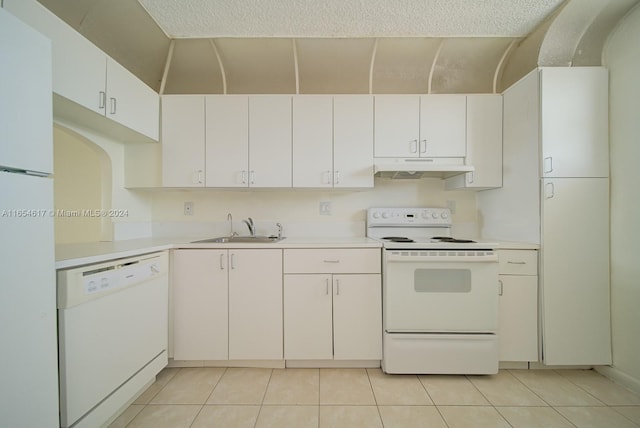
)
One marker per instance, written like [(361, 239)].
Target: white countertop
[(73, 255)]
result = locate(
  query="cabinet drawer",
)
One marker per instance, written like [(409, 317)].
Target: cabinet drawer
[(332, 260), (518, 262)]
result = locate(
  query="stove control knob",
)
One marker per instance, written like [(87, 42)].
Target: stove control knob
[(425, 214), (385, 215), (434, 215), (444, 215), (376, 215)]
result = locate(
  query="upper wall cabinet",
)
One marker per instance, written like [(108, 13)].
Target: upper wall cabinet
[(248, 141), (183, 141), (574, 122), (484, 144), (333, 141), (93, 90), (412, 126)]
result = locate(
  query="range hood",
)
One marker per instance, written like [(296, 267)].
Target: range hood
[(413, 168)]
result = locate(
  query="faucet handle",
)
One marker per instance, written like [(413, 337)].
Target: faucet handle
[(279, 230)]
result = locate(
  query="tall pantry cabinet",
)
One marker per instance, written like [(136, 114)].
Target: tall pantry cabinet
[(556, 193)]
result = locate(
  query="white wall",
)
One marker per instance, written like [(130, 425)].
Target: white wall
[(622, 57), (298, 210), (137, 205)]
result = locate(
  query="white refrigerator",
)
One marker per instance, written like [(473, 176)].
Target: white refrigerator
[(28, 357)]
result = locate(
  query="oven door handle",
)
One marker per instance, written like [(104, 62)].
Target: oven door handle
[(481, 257)]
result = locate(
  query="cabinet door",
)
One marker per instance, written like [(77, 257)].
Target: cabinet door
[(130, 102), (353, 141), (312, 141), (183, 141), (574, 121), (25, 97), (443, 124), (79, 67), (227, 141), (308, 328), (200, 322), (255, 304), (270, 141), (357, 317), (518, 328), (397, 126), (575, 271)]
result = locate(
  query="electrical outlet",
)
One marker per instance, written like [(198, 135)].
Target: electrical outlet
[(188, 208), (325, 208)]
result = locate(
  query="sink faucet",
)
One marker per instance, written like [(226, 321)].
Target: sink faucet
[(230, 220), (250, 225)]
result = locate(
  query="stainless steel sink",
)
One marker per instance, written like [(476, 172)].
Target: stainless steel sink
[(258, 239)]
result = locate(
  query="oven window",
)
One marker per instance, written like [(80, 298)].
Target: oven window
[(442, 280)]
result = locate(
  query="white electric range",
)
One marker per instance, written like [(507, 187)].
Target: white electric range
[(440, 294)]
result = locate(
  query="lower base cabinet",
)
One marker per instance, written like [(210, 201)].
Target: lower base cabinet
[(518, 328), (227, 304), (332, 317)]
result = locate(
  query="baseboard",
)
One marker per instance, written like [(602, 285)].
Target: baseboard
[(340, 364), (620, 377), (513, 365), (269, 364)]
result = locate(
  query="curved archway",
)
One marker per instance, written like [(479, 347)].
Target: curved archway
[(82, 187)]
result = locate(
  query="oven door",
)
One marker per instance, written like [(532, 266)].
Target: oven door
[(451, 291)]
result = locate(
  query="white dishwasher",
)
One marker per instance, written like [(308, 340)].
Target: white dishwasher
[(112, 327)]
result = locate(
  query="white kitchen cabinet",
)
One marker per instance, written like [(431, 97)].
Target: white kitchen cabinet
[(255, 304), (575, 271), (412, 126), (227, 141), (518, 321), (352, 141), (574, 122), (270, 148), (567, 215), (183, 141), (200, 305), (443, 121), (331, 315), (484, 144), (86, 76), (333, 141), (130, 102), (227, 304), (313, 141)]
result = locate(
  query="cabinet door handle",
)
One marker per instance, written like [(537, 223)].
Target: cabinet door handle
[(423, 146), (548, 164), (326, 292), (113, 105), (516, 263), (337, 287), (549, 190), (221, 261), (336, 177), (244, 176), (232, 261), (102, 100), (332, 261), (252, 176), (501, 290), (327, 177), (413, 146)]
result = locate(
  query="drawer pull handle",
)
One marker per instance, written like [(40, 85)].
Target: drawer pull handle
[(517, 263), (331, 261)]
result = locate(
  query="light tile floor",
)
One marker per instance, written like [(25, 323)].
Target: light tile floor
[(282, 398)]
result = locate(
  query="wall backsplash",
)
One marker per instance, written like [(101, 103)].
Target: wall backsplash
[(299, 209)]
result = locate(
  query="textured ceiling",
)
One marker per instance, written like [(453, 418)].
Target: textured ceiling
[(348, 18)]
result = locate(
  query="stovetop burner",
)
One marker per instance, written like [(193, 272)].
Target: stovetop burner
[(451, 239), (397, 239)]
